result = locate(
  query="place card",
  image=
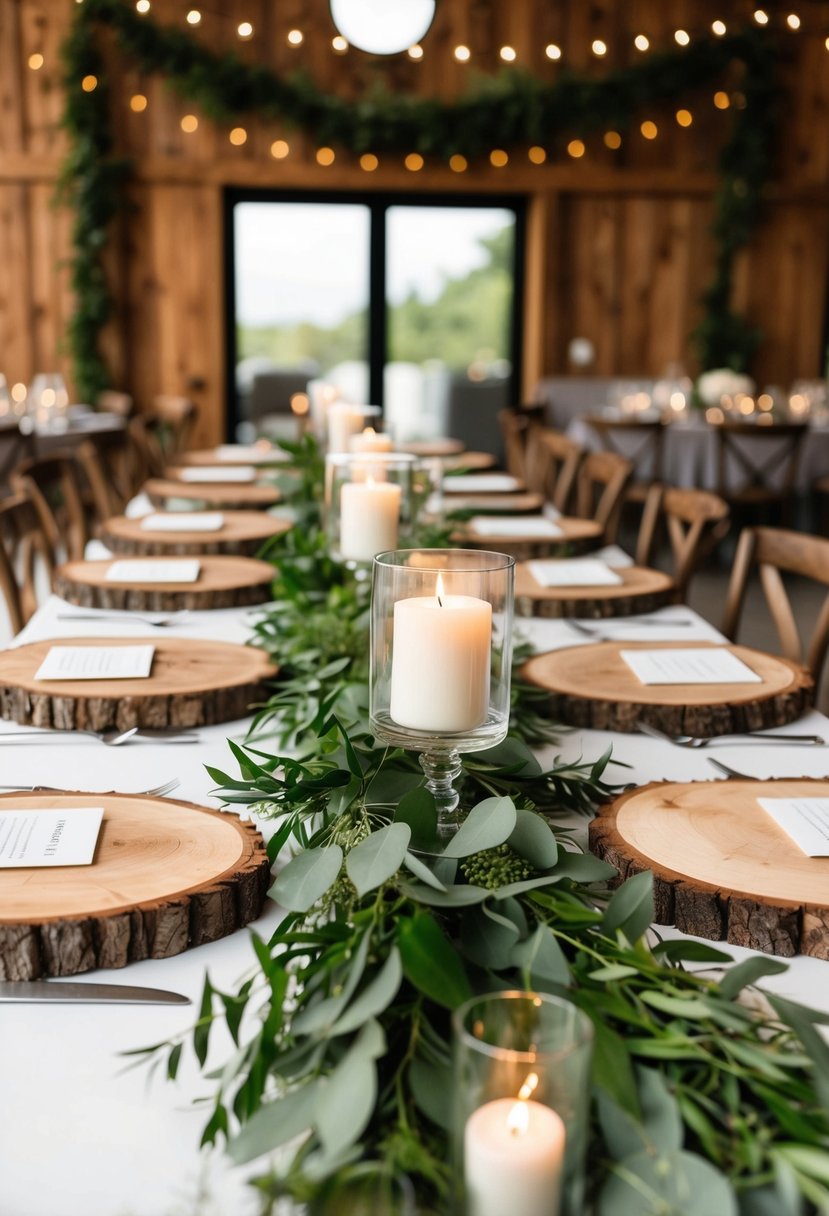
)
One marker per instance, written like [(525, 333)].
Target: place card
[(240, 472), (481, 483), (184, 521), (805, 820), (574, 572), (530, 526), (65, 837), (96, 663), (251, 452), (691, 665), (153, 570)]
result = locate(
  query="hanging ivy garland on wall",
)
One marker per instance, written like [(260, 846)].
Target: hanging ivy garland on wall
[(512, 109)]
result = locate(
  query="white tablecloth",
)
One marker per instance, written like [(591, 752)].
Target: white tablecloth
[(81, 1137)]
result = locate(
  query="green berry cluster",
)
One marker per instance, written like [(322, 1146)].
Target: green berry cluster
[(494, 868)]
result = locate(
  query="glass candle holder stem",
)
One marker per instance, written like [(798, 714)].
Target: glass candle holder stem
[(442, 770)]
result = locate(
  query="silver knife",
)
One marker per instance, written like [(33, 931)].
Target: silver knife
[(30, 992)]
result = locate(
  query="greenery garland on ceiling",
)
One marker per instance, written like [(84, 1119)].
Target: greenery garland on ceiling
[(510, 110)]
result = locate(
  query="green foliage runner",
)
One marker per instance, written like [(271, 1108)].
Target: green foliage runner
[(511, 110), (709, 1098)]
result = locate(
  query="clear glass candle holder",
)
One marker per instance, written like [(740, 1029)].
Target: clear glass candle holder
[(441, 659), (521, 1091), (343, 421), (368, 503)]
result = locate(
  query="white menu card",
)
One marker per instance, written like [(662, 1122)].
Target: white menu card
[(65, 837), (251, 452), (184, 521), (534, 526), (692, 665), (96, 663), (574, 572), (239, 472), (480, 483), (154, 570), (805, 820)]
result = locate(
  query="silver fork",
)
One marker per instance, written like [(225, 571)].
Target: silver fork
[(748, 739), (157, 791), (159, 620), (112, 738)]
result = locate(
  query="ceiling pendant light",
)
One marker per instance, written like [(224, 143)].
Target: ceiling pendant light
[(382, 28)]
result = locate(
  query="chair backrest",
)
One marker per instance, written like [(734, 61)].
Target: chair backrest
[(113, 402), (22, 544), (551, 465), (772, 550), (514, 428), (147, 453), (15, 445), (600, 490), (638, 440), (111, 471), (53, 486), (695, 521), (172, 420), (758, 462)]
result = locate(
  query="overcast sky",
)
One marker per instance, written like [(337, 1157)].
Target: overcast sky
[(309, 261)]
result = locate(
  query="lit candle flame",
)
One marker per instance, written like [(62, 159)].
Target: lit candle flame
[(529, 1087), (518, 1120), (369, 430), (439, 589)]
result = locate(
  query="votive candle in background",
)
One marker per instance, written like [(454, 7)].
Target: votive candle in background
[(369, 518), (370, 440), (343, 422)]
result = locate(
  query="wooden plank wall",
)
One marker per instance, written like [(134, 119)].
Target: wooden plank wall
[(619, 248)]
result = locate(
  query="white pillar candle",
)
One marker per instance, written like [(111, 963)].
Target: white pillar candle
[(513, 1159), (369, 518), (440, 662), (370, 440), (343, 422)]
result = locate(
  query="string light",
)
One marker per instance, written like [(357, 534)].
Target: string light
[(498, 158), (244, 29), (575, 148), (508, 54), (684, 118), (612, 140), (552, 51), (718, 28), (295, 37), (339, 44), (138, 103), (36, 61), (194, 17), (369, 162), (721, 100), (415, 52), (142, 6), (414, 162), (641, 42), (649, 129), (238, 136), (89, 84), (457, 163), (682, 37), (761, 16), (325, 156), (599, 48), (189, 123), (462, 53), (537, 155), (279, 149), (793, 21)]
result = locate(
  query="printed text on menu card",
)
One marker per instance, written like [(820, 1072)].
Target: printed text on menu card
[(96, 663), (805, 820), (64, 837), (694, 665)]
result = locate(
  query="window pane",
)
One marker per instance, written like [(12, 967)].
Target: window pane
[(449, 292), (301, 287)]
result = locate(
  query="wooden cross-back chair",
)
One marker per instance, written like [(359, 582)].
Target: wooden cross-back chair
[(147, 453), (552, 463), (172, 420), (111, 471), (602, 480), (53, 485), (15, 445), (757, 465), (640, 441), (22, 545), (774, 551), (695, 521), (516, 427)]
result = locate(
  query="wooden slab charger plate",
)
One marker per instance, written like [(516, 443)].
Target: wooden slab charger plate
[(193, 682), (641, 590), (722, 868), (166, 875), (495, 504), (592, 686), (576, 536), (230, 496), (262, 455), (242, 534), (223, 582)]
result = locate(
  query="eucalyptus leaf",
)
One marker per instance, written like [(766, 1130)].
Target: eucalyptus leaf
[(675, 1006), (275, 1123), (532, 838), (346, 1098), (375, 997), (542, 958), (488, 941), (431, 962), (307, 877), (488, 824), (419, 810), (461, 896), (742, 975), (432, 1090), (378, 858), (583, 867), (420, 870), (631, 908), (670, 1184)]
